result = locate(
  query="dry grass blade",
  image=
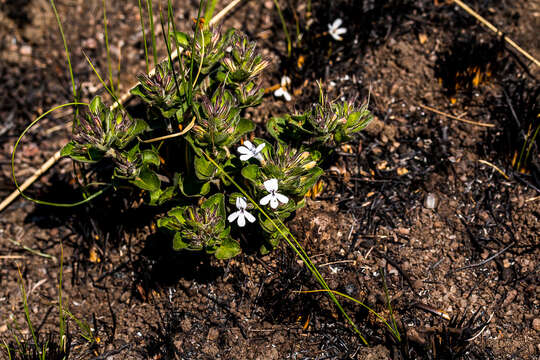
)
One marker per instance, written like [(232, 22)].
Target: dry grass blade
[(455, 117), (494, 167), (122, 99), (497, 31)]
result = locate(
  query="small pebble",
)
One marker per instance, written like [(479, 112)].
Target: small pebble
[(90, 43), (430, 202), (26, 50), (536, 324)]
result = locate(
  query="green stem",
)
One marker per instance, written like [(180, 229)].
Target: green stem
[(285, 30), (152, 29), (532, 141), (107, 47), (209, 10), (27, 313), (66, 50), (144, 38), (96, 194)]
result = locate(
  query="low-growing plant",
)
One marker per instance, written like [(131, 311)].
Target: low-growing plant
[(195, 126), (193, 152)]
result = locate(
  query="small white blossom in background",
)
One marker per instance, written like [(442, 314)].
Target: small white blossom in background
[(282, 91), (241, 214), (274, 198), (248, 150), (335, 30)]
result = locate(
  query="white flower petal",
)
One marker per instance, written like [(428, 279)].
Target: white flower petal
[(279, 92), (243, 150), (259, 148), (287, 96), (282, 198), (285, 81), (249, 217), (271, 185), (340, 31), (336, 37), (246, 157), (259, 157), (274, 202), (249, 145), (233, 216), (265, 200), (337, 23), (241, 220), (241, 203)]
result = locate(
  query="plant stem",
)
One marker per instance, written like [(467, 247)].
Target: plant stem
[(107, 47), (152, 29), (144, 38), (285, 30), (209, 9)]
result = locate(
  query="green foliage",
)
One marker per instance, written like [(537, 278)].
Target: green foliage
[(202, 227), (192, 148), (325, 126)]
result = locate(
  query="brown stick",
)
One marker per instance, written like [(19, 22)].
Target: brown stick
[(491, 27), (47, 165)]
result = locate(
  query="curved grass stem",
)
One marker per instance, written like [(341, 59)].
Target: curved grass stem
[(20, 189)]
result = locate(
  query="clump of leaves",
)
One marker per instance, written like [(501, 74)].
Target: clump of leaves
[(196, 117), (325, 126)]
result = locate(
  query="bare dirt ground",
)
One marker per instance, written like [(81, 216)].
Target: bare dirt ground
[(474, 255)]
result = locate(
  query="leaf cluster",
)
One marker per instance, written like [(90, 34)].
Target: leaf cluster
[(192, 128)]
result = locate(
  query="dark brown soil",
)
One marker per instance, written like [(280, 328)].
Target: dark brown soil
[(475, 252)]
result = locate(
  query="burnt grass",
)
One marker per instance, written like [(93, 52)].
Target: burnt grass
[(462, 276)]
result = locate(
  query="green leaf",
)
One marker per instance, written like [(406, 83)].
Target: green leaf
[(270, 245), (94, 154), (167, 194), (228, 249), (216, 200), (137, 91), (96, 105), (150, 157), (67, 150), (204, 169), (168, 113), (178, 243), (275, 127), (191, 187), (154, 197), (140, 127), (244, 126), (182, 39), (251, 172), (147, 180)]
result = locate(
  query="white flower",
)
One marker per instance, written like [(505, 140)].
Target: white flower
[(282, 91), (274, 198), (241, 214), (335, 30), (248, 150)]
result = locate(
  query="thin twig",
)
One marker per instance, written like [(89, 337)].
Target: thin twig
[(455, 117), (485, 261), (491, 27), (338, 262), (9, 257), (30, 180), (32, 251), (121, 100)]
